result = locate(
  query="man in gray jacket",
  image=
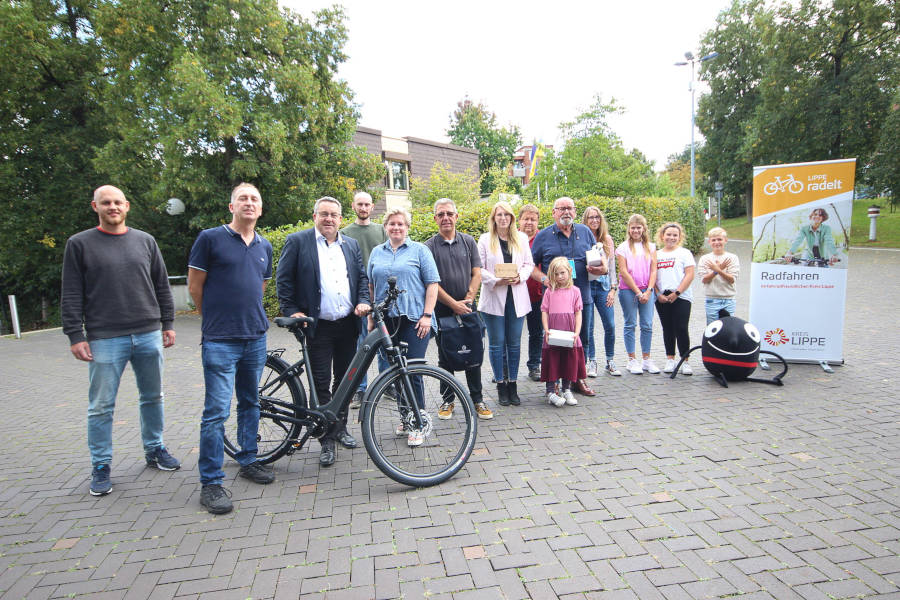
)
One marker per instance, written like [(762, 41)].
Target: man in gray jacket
[(115, 300)]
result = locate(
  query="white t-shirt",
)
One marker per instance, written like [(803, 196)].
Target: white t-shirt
[(670, 268)]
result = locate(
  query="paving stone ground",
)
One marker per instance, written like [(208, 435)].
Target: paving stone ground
[(653, 489)]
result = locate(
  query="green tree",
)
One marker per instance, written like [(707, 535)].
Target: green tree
[(475, 126), (678, 170), (798, 82), (50, 126), (594, 162), (885, 170), (462, 188)]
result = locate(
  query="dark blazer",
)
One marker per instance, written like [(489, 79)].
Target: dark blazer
[(297, 275)]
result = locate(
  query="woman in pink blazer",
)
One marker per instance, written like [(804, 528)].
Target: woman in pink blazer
[(504, 301)]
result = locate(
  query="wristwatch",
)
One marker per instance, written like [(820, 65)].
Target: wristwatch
[(425, 314), (677, 293)]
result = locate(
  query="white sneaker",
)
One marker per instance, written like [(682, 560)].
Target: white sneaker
[(401, 429), (415, 438), (649, 366), (592, 368), (569, 398), (612, 369), (555, 400), (670, 366), (634, 366), (686, 369)]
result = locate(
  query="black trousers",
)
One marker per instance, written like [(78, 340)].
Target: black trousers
[(674, 319), (330, 353)]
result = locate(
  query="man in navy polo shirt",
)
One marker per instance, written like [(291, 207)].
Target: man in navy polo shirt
[(228, 270), (571, 240)]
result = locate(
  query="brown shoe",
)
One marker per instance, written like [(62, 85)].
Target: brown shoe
[(582, 388)]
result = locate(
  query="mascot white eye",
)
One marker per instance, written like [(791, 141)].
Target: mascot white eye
[(715, 327), (752, 331)]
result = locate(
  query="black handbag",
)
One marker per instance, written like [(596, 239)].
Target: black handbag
[(461, 340)]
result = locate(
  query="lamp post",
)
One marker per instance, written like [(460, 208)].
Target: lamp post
[(692, 61)]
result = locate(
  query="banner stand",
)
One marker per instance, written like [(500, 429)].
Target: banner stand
[(800, 257)]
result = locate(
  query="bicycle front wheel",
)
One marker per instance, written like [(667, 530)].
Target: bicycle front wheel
[(446, 440), (274, 436)]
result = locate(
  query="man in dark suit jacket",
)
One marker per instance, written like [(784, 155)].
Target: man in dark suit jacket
[(320, 274)]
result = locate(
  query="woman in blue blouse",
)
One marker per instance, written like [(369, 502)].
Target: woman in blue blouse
[(410, 318)]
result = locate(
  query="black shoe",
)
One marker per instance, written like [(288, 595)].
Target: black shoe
[(534, 374), (347, 440), (513, 393), (502, 393), (327, 455), (257, 473), (100, 483), (216, 499)]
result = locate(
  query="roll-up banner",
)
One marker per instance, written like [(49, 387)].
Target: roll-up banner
[(801, 239)]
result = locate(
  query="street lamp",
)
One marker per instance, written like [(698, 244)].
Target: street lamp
[(692, 61)]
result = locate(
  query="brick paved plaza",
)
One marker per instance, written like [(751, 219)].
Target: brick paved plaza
[(653, 489)]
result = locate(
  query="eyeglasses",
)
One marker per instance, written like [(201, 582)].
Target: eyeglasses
[(329, 215), (565, 208), (441, 215), (594, 218)]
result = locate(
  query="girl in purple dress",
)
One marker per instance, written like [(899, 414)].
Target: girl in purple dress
[(561, 309)]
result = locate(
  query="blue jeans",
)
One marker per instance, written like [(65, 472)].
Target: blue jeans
[(363, 332), (631, 309), (714, 304), (234, 365), (607, 317), (406, 332), (144, 351), (535, 336), (504, 341)]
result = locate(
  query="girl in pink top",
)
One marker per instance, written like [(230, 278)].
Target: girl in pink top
[(636, 258), (561, 309)]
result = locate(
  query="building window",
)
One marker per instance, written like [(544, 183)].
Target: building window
[(398, 175)]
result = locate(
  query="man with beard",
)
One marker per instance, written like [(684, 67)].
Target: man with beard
[(571, 240), (368, 235)]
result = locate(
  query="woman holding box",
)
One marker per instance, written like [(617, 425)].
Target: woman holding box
[(504, 298), (603, 291)]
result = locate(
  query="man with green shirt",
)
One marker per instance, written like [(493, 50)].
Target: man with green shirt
[(368, 235)]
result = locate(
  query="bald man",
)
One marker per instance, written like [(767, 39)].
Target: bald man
[(117, 308)]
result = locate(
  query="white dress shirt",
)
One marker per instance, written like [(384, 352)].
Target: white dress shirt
[(335, 302)]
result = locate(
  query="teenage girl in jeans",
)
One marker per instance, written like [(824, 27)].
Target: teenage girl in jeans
[(636, 259), (603, 291)]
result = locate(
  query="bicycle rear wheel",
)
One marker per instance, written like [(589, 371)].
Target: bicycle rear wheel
[(447, 442), (274, 436)]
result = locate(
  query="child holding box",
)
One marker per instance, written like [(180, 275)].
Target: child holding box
[(561, 310)]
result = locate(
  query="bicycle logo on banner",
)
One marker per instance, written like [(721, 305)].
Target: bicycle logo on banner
[(779, 185)]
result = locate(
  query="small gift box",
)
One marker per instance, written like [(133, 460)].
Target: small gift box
[(503, 270), (558, 337), (594, 258)]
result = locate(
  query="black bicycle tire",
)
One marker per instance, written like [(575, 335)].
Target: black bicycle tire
[(298, 396), (373, 448)]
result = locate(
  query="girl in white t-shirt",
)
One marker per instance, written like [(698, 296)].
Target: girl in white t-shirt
[(674, 274)]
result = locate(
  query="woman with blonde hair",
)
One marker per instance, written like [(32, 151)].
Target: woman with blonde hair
[(674, 274), (504, 299), (636, 261), (603, 292)]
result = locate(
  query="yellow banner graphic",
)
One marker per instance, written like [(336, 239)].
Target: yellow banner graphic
[(778, 187)]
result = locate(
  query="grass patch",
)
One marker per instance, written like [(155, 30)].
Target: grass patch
[(888, 226)]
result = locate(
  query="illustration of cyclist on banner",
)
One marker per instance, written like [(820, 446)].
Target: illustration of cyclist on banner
[(802, 238)]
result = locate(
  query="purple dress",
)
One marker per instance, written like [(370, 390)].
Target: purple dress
[(557, 362)]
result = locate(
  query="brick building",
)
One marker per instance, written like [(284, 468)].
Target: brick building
[(410, 157), (521, 166)]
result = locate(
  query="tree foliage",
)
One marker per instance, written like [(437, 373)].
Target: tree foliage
[(166, 100), (797, 81), (885, 171), (462, 187), (594, 161), (475, 126)]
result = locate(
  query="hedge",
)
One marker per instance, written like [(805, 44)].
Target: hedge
[(473, 218)]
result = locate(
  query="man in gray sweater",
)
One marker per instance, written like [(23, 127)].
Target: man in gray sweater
[(115, 300)]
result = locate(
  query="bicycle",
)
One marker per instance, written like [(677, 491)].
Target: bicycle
[(823, 263), (288, 417), (790, 184)]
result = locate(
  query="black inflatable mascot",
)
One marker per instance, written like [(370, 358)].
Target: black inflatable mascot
[(730, 351)]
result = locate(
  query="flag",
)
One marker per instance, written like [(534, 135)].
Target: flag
[(537, 151)]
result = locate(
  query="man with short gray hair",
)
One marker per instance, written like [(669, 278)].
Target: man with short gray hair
[(321, 275)]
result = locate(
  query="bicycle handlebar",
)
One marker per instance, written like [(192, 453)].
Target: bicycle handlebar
[(392, 294)]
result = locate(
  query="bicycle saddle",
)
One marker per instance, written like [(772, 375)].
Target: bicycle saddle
[(292, 321)]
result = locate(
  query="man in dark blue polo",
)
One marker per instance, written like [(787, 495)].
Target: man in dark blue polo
[(571, 240), (228, 270)]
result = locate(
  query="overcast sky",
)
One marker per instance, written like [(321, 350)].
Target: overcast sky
[(535, 64)]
